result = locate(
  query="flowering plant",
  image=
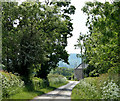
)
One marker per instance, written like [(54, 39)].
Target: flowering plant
[(56, 78), (97, 88), (110, 90), (10, 84)]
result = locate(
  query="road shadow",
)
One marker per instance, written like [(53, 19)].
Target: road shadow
[(57, 95), (63, 89)]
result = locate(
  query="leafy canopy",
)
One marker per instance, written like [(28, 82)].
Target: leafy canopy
[(102, 44), (35, 36)]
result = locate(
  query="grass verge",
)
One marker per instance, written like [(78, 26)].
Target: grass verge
[(26, 94), (14, 88), (103, 87)]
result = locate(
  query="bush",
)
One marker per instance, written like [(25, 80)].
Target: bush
[(102, 87), (114, 76), (39, 83), (11, 84), (68, 77), (90, 71), (110, 90), (54, 78), (85, 90)]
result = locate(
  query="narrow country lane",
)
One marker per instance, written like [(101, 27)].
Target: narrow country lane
[(63, 92)]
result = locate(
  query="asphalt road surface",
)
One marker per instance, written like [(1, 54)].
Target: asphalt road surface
[(60, 94)]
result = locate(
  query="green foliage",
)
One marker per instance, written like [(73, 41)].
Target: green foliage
[(13, 87), (67, 72), (24, 94), (39, 83), (11, 84), (63, 71), (56, 79), (110, 90), (53, 79), (30, 94), (101, 45), (61, 30), (85, 90), (35, 33), (97, 88), (25, 39), (90, 71)]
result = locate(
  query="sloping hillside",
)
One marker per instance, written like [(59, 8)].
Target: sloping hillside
[(73, 60)]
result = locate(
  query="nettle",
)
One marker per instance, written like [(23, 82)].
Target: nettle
[(10, 85)]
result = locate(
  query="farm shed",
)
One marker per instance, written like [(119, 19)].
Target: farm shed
[(78, 71)]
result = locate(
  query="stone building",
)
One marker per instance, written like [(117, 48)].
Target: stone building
[(78, 71)]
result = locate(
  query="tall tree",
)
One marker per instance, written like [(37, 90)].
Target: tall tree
[(102, 43), (34, 37), (60, 31), (22, 45)]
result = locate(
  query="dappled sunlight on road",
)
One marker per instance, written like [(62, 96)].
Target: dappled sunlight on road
[(63, 92)]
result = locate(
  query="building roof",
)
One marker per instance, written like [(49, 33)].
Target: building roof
[(81, 66)]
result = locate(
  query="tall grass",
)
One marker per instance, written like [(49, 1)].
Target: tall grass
[(13, 87), (103, 87)]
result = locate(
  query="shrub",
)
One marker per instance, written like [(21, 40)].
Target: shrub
[(102, 87), (86, 90), (39, 83), (11, 84), (114, 76), (54, 78), (110, 90), (69, 77)]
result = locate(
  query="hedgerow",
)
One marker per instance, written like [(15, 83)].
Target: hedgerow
[(11, 84), (54, 79), (101, 87)]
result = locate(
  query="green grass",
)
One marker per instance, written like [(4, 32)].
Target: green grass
[(96, 88), (85, 90), (35, 88), (26, 94), (58, 85)]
